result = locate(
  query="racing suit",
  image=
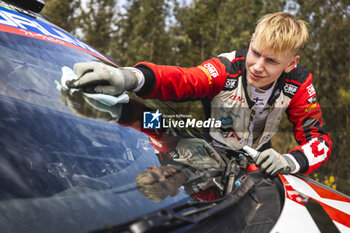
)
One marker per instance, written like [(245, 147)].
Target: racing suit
[(222, 80)]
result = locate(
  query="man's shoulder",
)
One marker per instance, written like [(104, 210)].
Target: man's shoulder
[(234, 61), (294, 80), (232, 56), (298, 75)]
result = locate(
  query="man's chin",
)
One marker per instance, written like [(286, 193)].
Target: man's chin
[(259, 83), (254, 83)]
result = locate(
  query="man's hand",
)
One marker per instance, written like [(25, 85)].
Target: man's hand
[(271, 162), (96, 77)]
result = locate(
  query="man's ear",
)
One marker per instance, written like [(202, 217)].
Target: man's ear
[(174, 194), (292, 63)]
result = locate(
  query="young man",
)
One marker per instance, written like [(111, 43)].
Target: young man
[(248, 90)]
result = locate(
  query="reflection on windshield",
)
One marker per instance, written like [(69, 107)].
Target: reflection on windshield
[(185, 162), (65, 159), (157, 183), (59, 167), (29, 68)]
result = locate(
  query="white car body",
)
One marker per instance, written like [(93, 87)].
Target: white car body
[(295, 217)]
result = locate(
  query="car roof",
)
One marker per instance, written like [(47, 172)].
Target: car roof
[(31, 5)]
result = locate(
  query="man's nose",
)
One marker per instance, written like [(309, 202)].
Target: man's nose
[(259, 65)]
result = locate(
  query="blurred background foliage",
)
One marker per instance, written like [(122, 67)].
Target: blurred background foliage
[(185, 33)]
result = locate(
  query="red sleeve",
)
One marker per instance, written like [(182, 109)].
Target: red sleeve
[(306, 115), (177, 83)]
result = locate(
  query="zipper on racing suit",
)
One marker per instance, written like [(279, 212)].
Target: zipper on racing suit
[(249, 140)]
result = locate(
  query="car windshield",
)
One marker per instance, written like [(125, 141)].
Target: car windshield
[(60, 166)]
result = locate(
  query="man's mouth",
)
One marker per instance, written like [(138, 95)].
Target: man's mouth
[(255, 77)]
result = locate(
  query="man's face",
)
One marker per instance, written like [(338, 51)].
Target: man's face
[(167, 179), (264, 66)]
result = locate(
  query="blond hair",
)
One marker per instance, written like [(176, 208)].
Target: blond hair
[(145, 183), (281, 32)]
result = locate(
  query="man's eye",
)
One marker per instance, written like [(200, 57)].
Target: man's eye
[(271, 61)]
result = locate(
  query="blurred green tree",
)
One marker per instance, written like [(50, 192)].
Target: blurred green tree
[(97, 23), (62, 13), (142, 33)]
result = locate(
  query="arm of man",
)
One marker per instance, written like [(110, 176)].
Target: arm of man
[(306, 115), (177, 83), (152, 81)]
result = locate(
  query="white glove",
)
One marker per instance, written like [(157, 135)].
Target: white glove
[(273, 162), (96, 77)]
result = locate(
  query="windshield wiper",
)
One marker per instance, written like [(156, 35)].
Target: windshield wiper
[(183, 214)]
